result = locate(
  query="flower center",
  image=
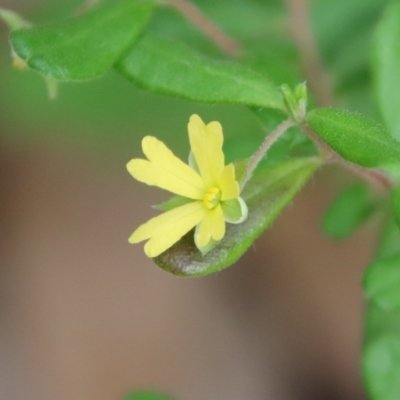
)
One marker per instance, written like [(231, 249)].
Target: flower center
[(212, 197)]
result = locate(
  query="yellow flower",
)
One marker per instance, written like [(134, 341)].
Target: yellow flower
[(208, 188)]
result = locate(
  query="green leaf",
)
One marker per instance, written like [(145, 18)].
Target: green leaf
[(381, 361), (386, 64), (144, 395), (354, 137), (348, 211), (83, 47), (167, 67), (389, 245), (266, 195), (382, 283), (382, 368), (381, 358)]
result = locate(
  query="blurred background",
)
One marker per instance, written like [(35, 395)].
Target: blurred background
[(84, 315)]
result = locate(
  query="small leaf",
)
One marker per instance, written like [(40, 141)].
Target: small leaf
[(348, 211), (386, 64), (354, 137), (144, 395), (382, 283), (167, 67), (86, 46), (266, 195)]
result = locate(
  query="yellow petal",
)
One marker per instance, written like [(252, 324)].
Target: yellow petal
[(206, 144), (166, 171), (211, 227), (228, 184), (166, 229)]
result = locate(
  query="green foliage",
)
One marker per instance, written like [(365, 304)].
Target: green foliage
[(168, 67), (382, 354), (382, 282), (146, 396), (354, 137), (387, 66), (346, 51), (83, 47), (382, 333), (266, 195), (348, 211), (117, 34)]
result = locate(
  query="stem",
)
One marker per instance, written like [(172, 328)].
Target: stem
[(377, 178), (194, 15), (266, 144), (302, 35)]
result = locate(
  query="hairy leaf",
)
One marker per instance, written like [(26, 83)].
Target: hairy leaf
[(347, 212), (168, 67), (354, 137), (86, 46), (386, 67), (266, 195)]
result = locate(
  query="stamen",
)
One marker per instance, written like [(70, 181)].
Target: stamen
[(212, 197)]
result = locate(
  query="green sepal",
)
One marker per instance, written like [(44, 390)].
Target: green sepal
[(295, 101), (172, 203), (192, 162), (241, 169), (208, 247), (235, 210), (13, 20)]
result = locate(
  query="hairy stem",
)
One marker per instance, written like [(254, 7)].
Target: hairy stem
[(300, 27), (377, 178), (266, 144), (194, 15)]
